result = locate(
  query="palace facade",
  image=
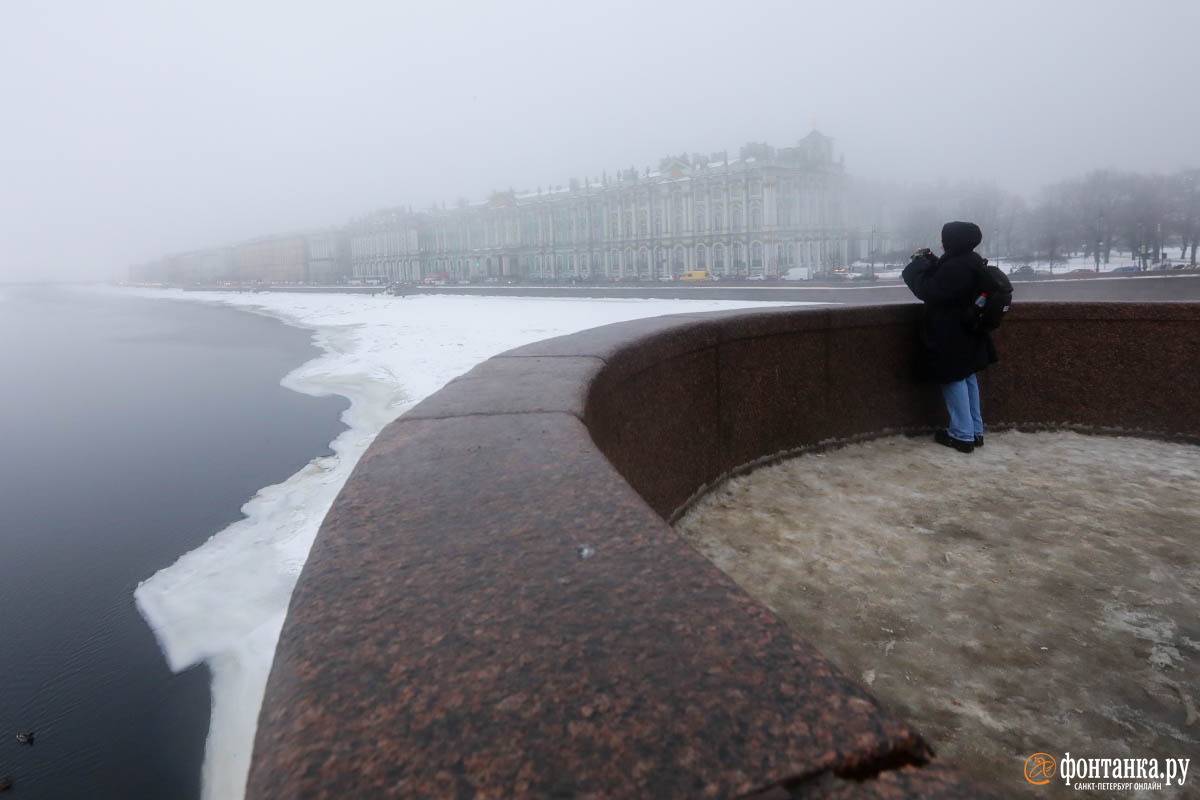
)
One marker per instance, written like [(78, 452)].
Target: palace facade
[(761, 214)]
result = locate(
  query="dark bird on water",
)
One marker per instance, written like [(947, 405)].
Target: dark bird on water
[(25, 737)]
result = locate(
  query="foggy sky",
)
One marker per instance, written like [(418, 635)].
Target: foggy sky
[(131, 129)]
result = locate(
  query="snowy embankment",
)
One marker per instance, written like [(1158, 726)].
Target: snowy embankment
[(224, 603), (1117, 260)]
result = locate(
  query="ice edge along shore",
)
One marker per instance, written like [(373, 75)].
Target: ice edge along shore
[(224, 603)]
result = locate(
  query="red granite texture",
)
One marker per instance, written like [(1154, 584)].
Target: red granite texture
[(1129, 365), (932, 781), (495, 607)]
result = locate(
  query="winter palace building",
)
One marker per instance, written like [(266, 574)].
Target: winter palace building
[(761, 214)]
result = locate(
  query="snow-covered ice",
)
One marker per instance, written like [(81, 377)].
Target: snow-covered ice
[(224, 603)]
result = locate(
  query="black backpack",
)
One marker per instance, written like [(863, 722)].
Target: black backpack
[(992, 300)]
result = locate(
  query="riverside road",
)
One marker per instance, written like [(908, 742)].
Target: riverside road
[(1134, 288)]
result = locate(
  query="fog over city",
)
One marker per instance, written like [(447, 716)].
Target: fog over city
[(137, 128)]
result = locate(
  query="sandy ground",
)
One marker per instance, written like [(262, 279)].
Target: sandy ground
[(1039, 595)]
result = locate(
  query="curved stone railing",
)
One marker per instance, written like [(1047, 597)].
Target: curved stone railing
[(495, 605)]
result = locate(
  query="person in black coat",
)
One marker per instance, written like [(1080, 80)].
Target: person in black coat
[(950, 354)]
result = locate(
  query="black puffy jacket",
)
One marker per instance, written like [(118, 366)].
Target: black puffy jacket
[(947, 285)]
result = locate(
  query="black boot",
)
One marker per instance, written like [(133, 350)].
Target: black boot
[(979, 441), (942, 437)]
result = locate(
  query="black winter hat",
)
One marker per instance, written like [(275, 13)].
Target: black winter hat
[(960, 237)]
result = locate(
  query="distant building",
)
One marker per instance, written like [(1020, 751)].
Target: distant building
[(272, 259), (386, 245), (199, 266), (760, 214), (149, 272), (326, 256), (315, 257)]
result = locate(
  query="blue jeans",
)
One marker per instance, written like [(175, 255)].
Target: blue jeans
[(962, 401)]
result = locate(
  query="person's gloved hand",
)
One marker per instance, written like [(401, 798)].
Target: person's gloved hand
[(924, 252)]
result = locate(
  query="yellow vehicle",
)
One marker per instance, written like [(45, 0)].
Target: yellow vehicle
[(695, 275)]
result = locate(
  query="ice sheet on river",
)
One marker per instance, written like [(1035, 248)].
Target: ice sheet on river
[(224, 602)]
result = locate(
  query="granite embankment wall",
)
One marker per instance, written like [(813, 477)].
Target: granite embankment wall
[(496, 606)]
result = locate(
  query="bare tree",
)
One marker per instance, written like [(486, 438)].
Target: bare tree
[(1051, 228), (1184, 210), (1097, 203), (1093, 214)]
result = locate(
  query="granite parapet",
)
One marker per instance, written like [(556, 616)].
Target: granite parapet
[(495, 606)]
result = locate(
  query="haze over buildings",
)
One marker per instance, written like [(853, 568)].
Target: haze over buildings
[(759, 212), (143, 129)]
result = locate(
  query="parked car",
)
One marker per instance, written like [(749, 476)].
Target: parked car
[(1078, 273), (1128, 268), (1024, 272)]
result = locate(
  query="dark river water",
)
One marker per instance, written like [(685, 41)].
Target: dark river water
[(132, 430)]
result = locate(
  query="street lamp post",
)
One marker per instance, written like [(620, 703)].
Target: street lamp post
[(871, 250)]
